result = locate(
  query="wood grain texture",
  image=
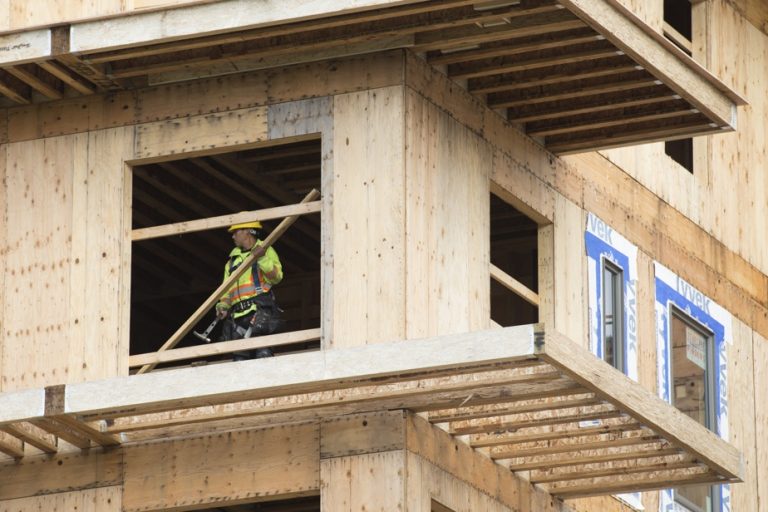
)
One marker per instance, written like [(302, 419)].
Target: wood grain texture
[(223, 468), (372, 482), (368, 217), (102, 499)]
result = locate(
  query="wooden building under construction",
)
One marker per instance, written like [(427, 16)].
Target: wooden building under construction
[(523, 244)]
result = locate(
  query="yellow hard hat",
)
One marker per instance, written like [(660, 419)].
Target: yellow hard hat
[(245, 225)]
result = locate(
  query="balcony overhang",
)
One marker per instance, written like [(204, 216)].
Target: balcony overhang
[(538, 401), (578, 75)]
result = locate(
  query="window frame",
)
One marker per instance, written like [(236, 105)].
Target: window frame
[(711, 397), (618, 359)]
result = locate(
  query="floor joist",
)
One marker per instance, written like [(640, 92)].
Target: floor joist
[(557, 385)]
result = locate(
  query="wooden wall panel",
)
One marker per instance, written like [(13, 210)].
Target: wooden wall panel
[(427, 482), (447, 238), (731, 191), (223, 468), (3, 253), (63, 472), (199, 134), (570, 270), (368, 217), (67, 229), (103, 499), (760, 358), (372, 482), (741, 414), (36, 319), (646, 322), (105, 346)]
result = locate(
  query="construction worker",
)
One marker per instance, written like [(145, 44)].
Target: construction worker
[(248, 308)]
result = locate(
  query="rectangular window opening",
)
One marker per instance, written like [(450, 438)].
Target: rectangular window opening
[(693, 374), (514, 264), (613, 315), (681, 151), (171, 276)]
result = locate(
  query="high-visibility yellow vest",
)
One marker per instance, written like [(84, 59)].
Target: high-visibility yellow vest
[(249, 285)]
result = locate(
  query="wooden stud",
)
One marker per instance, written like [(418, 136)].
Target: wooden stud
[(225, 347), (513, 285), (224, 220)]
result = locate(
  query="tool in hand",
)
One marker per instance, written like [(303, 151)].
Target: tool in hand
[(205, 334)]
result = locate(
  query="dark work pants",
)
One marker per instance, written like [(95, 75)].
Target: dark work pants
[(265, 320)]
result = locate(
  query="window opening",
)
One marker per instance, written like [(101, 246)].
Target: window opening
[(171, 276), (678, 28), (693, 371), (514, 254), (613, 315)]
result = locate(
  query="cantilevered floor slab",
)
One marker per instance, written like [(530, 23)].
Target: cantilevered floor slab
[(534, 398), (576, 74)]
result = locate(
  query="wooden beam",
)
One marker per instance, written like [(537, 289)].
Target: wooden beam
[(11, 446), (598, 103), (681, 73), (225, 220), (32, 435), (224, 347), (86, 429), (651, 451), (665, 480), (507, 453), (538, 23), (516, 45), (595, 50), (501, 426), (513, 285), (605, 139), (68, 77), (570, 90), (234, 276), (637, 467), (606, 119), (13, 93), (60, 473), (472, 413), (487, 441), (33, 81), (630, 397), (61, 431), (552, 75)]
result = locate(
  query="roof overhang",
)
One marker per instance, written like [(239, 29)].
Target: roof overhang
[(578, 75), (540, 402)]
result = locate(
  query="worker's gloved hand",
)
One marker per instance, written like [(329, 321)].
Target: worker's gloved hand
[(221, 311)]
